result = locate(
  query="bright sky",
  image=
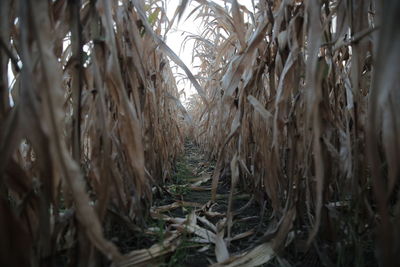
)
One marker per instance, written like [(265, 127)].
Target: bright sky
[(179, 31), (175, 39)]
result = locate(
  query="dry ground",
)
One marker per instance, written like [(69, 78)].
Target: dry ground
[(181, 226)]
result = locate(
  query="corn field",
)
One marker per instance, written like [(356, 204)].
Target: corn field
[(295, 107)]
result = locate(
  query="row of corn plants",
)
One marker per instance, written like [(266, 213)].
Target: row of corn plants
[(299, 106), (90, 121)]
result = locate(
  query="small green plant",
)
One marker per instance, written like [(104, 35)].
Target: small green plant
[(160, 232), (177, 259), (179, 189), (182, 172)]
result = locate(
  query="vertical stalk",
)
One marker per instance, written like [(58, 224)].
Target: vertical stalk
[(76, 73)]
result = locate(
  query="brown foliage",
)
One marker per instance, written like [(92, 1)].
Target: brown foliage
[(291, 99), (296, 101), (93, 124)]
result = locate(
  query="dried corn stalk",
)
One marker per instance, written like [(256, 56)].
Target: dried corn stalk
[(290, 99), (93, 122)]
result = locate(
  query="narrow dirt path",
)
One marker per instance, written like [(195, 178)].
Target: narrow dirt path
[(185, 228), (192, 179), (190, 192)]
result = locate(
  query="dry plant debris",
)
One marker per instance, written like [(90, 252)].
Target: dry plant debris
[(286, 156)]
